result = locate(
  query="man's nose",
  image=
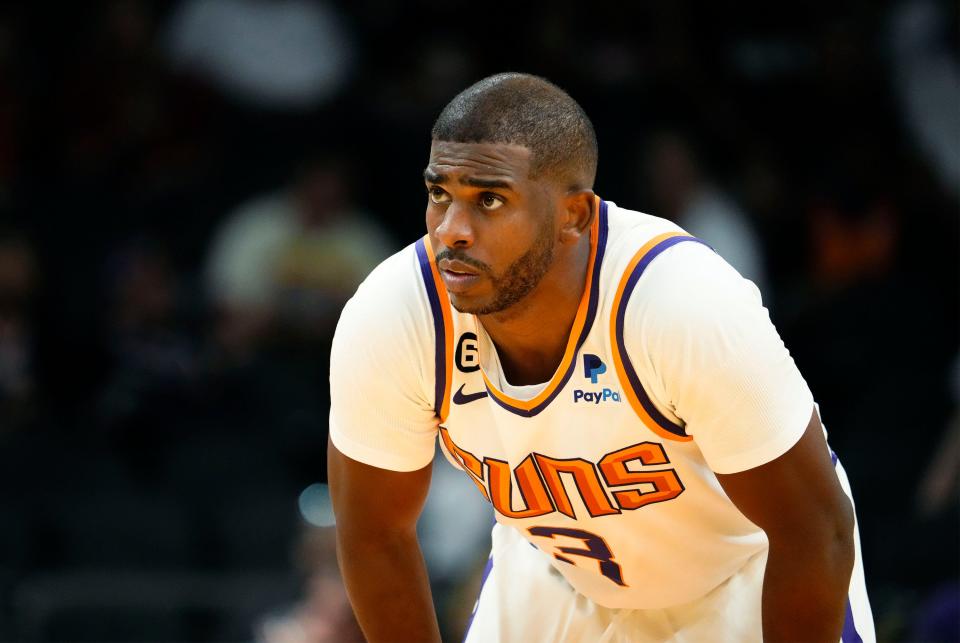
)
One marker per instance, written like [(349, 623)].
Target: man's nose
[(456, 227)]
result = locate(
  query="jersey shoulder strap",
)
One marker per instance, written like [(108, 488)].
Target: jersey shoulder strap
[(442, 326), (626, 373)]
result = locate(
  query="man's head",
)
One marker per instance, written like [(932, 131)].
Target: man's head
[(531, 112), (512, 164)]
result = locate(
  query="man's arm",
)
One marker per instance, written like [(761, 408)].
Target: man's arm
[(797, 500), (380, 557)]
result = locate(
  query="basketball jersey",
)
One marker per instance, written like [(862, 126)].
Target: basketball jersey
[(609, 466)]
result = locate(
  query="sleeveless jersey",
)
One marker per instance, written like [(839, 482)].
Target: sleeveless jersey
[(589, 467)]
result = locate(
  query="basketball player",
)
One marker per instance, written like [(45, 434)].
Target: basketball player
[(615, 390)]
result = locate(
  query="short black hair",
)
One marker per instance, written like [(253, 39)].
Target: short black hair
[(525, 110)]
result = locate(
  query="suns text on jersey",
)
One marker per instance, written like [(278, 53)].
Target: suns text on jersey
[(619, 481)]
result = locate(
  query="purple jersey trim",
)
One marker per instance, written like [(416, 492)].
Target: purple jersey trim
[(658, 417), (483, 581), (850, 634), (440, 385)]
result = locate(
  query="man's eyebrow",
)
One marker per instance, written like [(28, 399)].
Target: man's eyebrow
[(433, 177), (487, 183)]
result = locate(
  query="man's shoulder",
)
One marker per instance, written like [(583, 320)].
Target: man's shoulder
[(631, 233), (393, 279), (390, 306), (382, 369), (630, 230), (674, 275)]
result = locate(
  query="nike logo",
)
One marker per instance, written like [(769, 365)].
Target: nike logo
[(465, 398)]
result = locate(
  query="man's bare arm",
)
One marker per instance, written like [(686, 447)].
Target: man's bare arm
[(797, 500), (380, 557)]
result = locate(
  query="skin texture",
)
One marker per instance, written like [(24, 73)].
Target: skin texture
[(513, 249)]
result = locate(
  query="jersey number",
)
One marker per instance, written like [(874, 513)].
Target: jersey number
[(596, 548)]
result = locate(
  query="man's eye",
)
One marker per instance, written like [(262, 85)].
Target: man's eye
[(437, 195), (491, 201)]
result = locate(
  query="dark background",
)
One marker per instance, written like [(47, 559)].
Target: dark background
[(158, 429)]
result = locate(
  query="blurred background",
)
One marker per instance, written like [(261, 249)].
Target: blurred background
[(189, 191)]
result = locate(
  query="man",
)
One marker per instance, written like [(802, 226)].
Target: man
[(612, 387)]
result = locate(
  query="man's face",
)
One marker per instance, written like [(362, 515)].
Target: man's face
[(491, 226)]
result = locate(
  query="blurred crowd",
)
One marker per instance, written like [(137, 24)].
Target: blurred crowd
[(190, 191)]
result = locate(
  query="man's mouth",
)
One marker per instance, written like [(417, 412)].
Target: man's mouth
[(458, 276), (457, 266)]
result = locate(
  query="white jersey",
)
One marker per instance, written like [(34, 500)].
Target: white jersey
[(673, 371)]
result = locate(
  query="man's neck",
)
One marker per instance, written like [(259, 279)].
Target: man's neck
[(531, 336)]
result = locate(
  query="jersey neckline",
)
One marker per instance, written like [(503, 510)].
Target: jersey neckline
[(582, 324)]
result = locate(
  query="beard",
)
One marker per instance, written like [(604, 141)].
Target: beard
[(519, 278)]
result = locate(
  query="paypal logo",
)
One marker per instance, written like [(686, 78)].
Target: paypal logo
[(593, 367), (595, 397)]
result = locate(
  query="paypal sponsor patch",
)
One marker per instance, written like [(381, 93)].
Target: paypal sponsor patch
[(595, 397)]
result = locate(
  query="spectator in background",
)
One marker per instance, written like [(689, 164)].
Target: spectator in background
[(323, 613), (680, 191), (455, 553), (274, 54), (18, 286), (287, 261), (926, 78)]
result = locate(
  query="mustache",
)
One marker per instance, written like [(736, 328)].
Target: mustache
[(458, 255)]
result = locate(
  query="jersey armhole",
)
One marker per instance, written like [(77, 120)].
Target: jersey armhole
[(639, 400)]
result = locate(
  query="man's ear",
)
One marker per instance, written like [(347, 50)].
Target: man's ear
[(579, 208)]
